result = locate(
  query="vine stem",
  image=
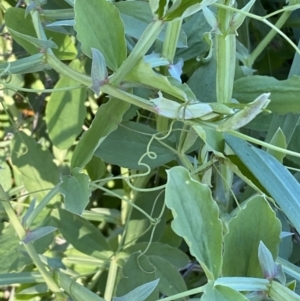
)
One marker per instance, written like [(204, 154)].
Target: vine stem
[(29, 247), (267, 39)]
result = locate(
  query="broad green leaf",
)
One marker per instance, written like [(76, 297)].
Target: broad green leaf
[(5, 176), (74, 289), (140, 293), (278, 140), (195, 219), (106, 121), (171, 281), (254, 223), (139, 227), (103, 29), (144, 74), (138, 270), (65, 111), (174, 256), (272, 175), (137, 15), (96, 168), (84, 236), (222, 293), (75, 189), (35, 165), (126, 146), (11, 258), (159, 7), (99, 72), (35, 234), (283, 93), (16, 16)]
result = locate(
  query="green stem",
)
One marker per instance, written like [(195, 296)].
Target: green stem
[(59, 14), (267, 39), (29, 247), (194, 291), (111, 280), (142, 46), (171, 40)]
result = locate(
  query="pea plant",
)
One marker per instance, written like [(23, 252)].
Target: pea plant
[(150, 150)]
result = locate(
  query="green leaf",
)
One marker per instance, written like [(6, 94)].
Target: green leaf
[(98, 73), (283, 93), (106, 121), (103, 29), (66, 111), (33, 63), (140, 293), (137, 15), (174, 256), (74, 289), (272, 175), (279, 140), (23, 277), (126, 146), (37, 233), (171, 281), (40, 44), (195, 219), (84, 236), (5, 176), (279, 292), (35, 165), (254, 223), (138, 270), (11, 258), (139, 227), (266, 261), (222, 293), (184, 8), (144, 74), (75, 189), (16, 16), (246, 114)]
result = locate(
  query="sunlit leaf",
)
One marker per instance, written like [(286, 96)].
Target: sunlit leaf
[(254, 223), (66, 111), (75, 189), (195, 219), (84, 236), (103, 29), (140, 293)]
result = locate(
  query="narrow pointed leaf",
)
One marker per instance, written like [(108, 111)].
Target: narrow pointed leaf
[(38, 233), (140, 293), (266, 261), (195, 219), (245, 115), (272, 175), (99, 73), (106, 120)]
